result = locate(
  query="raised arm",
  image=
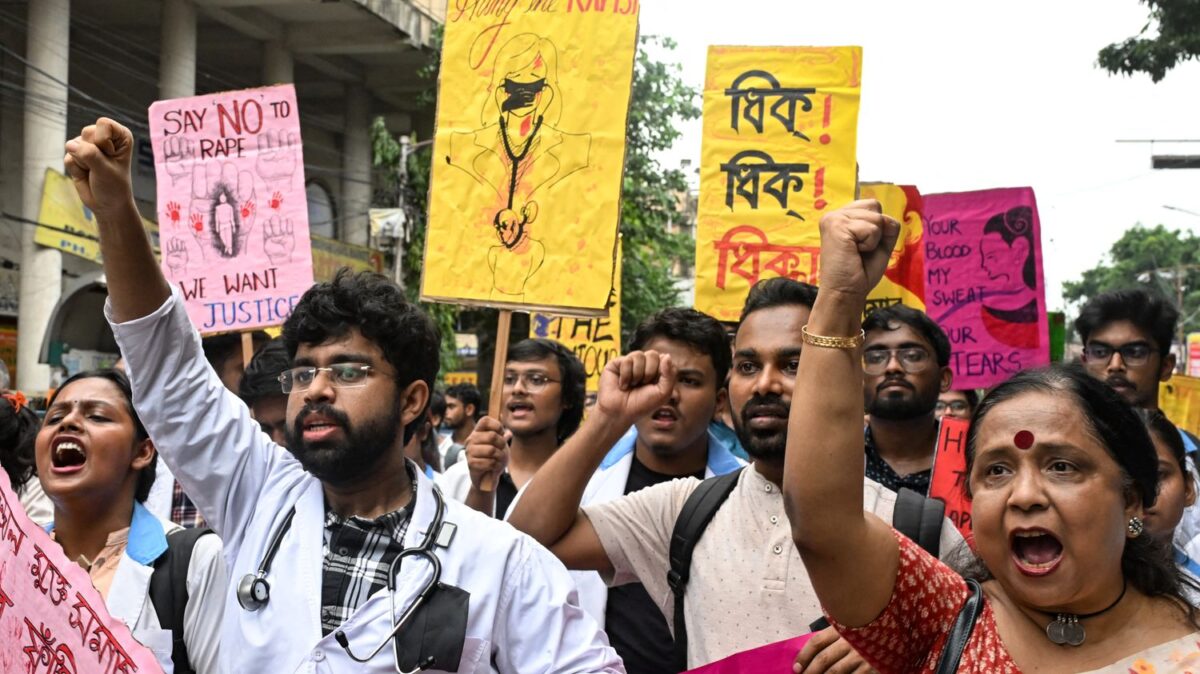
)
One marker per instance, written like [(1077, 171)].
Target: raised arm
[(98, 161), (548, 510), (851, 557)]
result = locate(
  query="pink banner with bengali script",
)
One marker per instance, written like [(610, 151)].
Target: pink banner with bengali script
[(984, 283), (52, 621), (776, 657), (232, 212)]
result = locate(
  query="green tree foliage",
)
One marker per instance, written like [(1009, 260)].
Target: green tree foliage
[(1160, 259), (1155, 52), (651, 193)]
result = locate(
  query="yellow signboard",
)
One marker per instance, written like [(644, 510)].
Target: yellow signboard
[(1179, 399), (68, 225), (453, 378), (595, 340), (904, 280), (780, 126), (530, 144), (330, 255)]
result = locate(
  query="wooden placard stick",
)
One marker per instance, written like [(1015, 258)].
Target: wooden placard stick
[(247, 349), (495, 406)]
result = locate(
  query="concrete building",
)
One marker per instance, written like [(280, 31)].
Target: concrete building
[(63, 63)]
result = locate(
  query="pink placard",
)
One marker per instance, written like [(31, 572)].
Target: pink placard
[(776, 657), (983, 282), (232, 212), (52, 621)]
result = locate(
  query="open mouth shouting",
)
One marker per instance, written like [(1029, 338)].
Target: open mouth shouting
[(1036, 552), (520, 409), (664, 418), (67, 455), (317, 427)]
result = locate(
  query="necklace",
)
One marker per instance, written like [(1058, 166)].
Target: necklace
[(1065, 629)]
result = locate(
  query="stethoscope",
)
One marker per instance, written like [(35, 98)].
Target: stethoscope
[(254, 591)]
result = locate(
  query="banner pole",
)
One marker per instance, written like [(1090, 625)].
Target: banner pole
[(247, 349), (495, 407)]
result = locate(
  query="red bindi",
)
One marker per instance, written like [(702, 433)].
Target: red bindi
[(1023, 440)]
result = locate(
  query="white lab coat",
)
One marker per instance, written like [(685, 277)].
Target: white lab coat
[(129, 601), (523, 614)]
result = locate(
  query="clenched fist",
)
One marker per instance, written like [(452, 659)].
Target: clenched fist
[(856, 244), (98, 161)]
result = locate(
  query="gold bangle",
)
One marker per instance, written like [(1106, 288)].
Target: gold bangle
[(848, 343)]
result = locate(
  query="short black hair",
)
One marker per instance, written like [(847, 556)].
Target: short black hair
[(574, 379), (892, 317), (261, 379), (778, 292), (1163, 430), (376, 307), (467, 394), (145, 481), (694, 328), (219, 348), (437, 404), (1147, 310)]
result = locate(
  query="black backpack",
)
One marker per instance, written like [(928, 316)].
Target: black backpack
[(168, 590), (915, 516)]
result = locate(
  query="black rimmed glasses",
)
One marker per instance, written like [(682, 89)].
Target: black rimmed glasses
[(1133, 354), (912, 359)]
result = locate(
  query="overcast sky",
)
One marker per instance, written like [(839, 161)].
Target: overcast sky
[(966, 95)]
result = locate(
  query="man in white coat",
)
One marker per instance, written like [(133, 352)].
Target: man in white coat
[(315, 532)]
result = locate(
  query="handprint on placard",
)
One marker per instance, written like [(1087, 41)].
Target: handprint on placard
[(276, 161), (173, 213), (221, 194), (176, 256), (197, 220), (279, 240), (178, 154), (276, 201)]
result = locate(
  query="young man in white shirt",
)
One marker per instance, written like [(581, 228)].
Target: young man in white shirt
[(323, 522)]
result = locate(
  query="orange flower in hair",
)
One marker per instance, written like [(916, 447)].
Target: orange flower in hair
[(16, 399)]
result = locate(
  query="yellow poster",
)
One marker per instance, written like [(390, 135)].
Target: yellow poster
[(330, 255), (904, 280), (68, 225), (526, 181), (454, 378), (594, 340), (780, 128), (1179, 399)]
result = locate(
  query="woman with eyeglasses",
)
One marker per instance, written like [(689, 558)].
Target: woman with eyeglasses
[(1061, 473)]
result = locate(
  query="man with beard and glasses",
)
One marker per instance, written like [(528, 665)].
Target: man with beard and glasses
[(906, 363), (1127, 337), (313, 533), (748, 586)]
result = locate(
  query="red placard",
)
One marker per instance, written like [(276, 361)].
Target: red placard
[(949, 481)]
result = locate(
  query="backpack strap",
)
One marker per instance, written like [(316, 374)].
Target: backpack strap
[(693, 519), (960, 634), (168, 590), (920, 519)]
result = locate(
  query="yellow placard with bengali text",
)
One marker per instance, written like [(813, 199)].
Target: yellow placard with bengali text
[(1179, 399), (533, 97), (68, 225), (904, 280), (780, 127), (595, 340)]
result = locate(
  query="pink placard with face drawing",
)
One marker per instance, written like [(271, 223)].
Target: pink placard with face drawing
[(232, 213), (983, 282), (52, 621)]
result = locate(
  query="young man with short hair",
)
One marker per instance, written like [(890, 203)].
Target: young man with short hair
[(906, 363), (745, 556), (463, 406), (313, 530), (542, 405), (261, 391)]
